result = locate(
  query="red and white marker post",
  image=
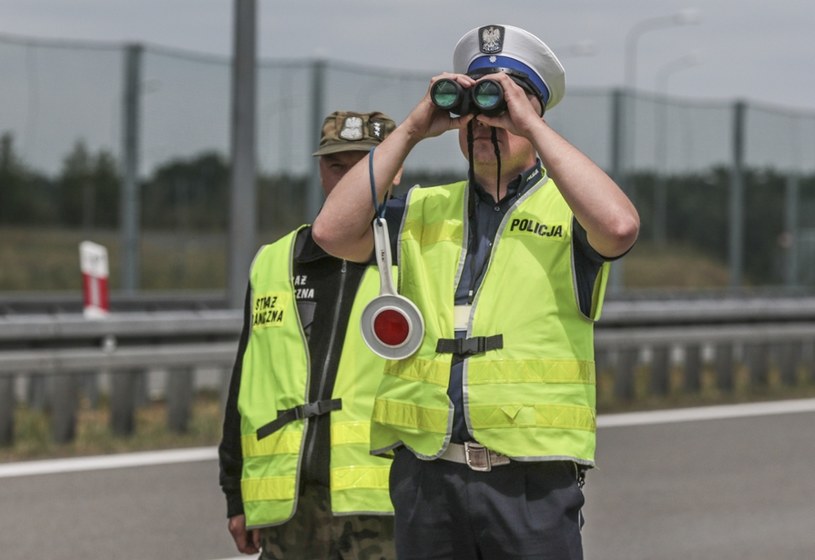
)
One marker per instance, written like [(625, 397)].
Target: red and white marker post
[(93, 261)]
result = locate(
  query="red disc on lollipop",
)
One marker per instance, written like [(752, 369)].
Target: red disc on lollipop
[(391, 327)]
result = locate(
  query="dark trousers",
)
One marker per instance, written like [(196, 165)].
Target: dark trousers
[(445, 510)]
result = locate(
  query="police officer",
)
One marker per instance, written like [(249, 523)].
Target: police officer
[(492, 420), (295, 465)]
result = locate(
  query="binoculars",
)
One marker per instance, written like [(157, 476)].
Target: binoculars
[(486, 97)]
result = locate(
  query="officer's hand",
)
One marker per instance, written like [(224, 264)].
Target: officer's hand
[(426, 120), (523, 109), (248, 542)]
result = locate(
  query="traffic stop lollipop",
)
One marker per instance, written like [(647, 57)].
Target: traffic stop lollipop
[(392, 325)]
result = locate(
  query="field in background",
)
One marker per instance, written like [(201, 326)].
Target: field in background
[(43, 260)]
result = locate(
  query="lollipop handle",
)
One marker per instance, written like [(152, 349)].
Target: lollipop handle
[(382, 247)]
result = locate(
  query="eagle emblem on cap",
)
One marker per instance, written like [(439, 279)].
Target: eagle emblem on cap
[(351, 129), (491, 39)]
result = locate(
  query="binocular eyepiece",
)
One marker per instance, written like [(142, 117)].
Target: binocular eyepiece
[(485, 97)]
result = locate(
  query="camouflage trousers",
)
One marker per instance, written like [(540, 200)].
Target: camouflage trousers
[(314, 534)]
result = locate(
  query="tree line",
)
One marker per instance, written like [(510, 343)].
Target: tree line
[(698, 216), (193, 194), (186, 193)]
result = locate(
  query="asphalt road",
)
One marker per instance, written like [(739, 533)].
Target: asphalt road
[(147, 513), (732, 489), (738, 488)]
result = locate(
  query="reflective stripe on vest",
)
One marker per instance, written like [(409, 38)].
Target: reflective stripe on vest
[(535, 396), (275, 377)]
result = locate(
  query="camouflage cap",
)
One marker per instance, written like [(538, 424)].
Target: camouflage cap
[(345, 131)]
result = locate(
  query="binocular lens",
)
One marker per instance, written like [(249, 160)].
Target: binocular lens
[(445, 93), (488, 95), (485, 97)]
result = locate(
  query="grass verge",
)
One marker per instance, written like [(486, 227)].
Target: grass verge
[(94, 436)]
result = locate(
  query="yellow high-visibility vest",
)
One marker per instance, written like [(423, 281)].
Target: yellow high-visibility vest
[(275, 377), (531, 399)]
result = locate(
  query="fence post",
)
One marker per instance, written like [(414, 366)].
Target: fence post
[(123, 401), (693, 368), (791, 233), (141, 388), (736, 202), (788, 356), (7, 407), (758, 364), (129, 204), (314, 193), (180, 383), (36, 393), (618, 172), (660, 371), (627, 361), (724, 367), (63, 407), (243, 148)]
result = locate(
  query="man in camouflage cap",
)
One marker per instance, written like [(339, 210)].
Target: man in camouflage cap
[(345, 131), (295, 465)]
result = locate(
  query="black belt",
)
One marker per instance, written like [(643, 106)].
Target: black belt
[(299, 412), (470, 346), (474, 455)]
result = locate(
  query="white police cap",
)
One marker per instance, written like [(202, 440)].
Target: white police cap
[(512, 48)]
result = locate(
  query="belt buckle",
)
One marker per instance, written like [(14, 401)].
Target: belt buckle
[(477, 456)]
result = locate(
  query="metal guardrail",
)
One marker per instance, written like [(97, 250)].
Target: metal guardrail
[(59, 343), (57, 354), (52, 362), (634, 339), (629, 308), (49, 303), (56, 343), (718, 310), (54, 329), (725, 342), (759, 333)]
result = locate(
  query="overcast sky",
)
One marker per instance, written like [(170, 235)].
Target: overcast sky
[(757, 51)]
